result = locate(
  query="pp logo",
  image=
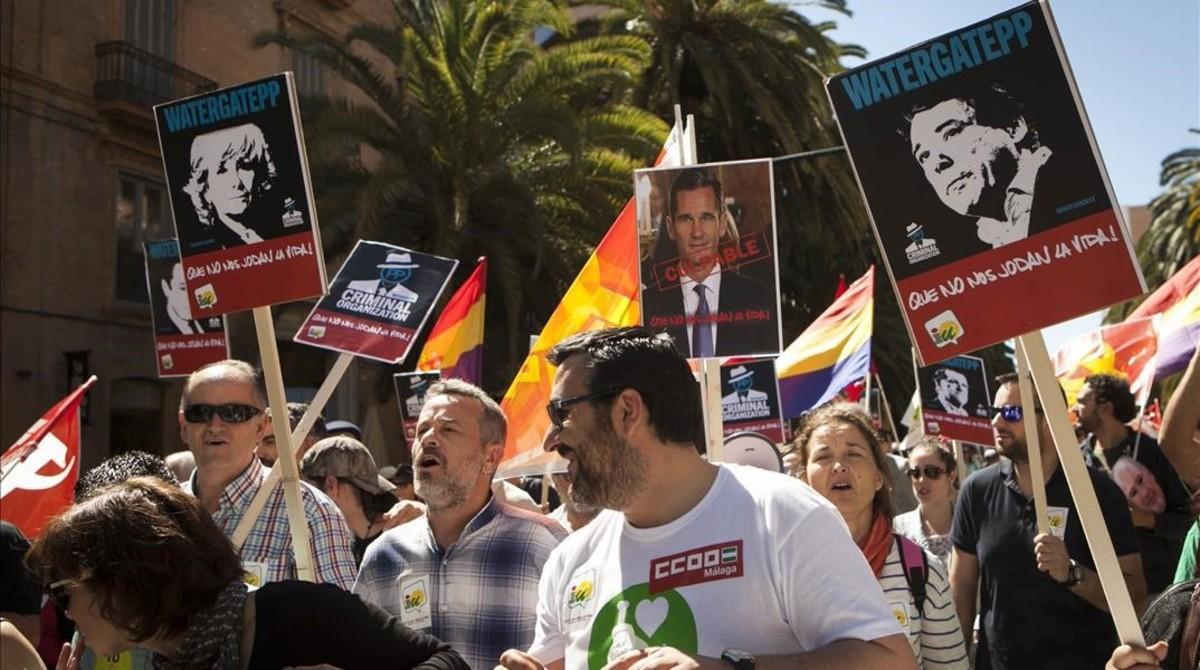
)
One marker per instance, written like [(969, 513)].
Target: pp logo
[(206, 296), (945, 329)]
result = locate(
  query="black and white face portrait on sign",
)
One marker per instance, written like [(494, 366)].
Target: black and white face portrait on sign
[(231, 171)]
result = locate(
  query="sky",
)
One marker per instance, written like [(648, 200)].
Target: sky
[(1137, 66)]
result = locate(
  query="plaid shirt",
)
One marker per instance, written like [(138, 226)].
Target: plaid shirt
[(482, 590), (270, 539)]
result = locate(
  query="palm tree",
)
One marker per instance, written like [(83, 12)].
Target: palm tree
[(752, 72), (479, 141), (1173, 238)]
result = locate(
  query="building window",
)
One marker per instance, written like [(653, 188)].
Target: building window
[(142, 215), (150, 26), (310, 74)]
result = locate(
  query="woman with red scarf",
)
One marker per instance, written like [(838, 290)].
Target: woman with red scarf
[(841, 456)]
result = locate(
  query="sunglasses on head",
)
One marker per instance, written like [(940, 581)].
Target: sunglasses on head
[(1012, 413), (930, 472), (229, 413), (58, 594), (557, 409)]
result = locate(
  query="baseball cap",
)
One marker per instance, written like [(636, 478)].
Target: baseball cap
[(339, 426), (346, 458)]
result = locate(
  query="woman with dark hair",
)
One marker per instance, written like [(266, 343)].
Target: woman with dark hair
[(934, 475), (142, 564), (842, 457)]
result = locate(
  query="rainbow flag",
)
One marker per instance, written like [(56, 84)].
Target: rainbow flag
[(604, 295), (832, 353), (1177, 302), (455, 345)]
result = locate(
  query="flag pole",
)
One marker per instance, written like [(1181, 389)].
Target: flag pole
[(32, 444)]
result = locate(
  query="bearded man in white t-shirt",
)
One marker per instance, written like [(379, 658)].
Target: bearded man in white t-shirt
[(692, 564)]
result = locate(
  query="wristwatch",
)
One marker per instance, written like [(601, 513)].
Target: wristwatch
[(1074, 575), (740, 660)]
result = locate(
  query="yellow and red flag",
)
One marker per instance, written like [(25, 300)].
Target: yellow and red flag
[(38, 472), (604, 295), (1123, 349), (455, 345)]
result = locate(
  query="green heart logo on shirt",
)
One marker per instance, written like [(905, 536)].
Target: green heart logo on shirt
[(635, 619)]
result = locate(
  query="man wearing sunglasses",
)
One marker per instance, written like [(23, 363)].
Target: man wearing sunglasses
[(1103, 408), (1041, 604), (222, 421), (692, 564), (467, 570)]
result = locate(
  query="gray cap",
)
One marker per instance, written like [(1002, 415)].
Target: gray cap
[(346, 458)]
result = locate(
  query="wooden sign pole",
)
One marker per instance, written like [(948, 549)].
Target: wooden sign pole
[(710, 375), (1087, 507), (961, 464), (315, 406), (283, 438), (1032, 440)]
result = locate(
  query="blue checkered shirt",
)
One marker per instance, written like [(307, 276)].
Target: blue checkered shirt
[(270, 539), (482, 590)]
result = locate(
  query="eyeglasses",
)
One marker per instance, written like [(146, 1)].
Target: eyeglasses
[(58, 594), (1012, 413), (557, 409), (229, 413), (930, 472)]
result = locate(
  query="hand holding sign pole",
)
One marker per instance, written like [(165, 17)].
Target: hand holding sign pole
[(1120, 604)]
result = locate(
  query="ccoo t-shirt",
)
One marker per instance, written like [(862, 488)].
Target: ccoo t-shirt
[(762, 564)]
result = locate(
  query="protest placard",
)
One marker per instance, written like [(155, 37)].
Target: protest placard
[(378, 302), (237, 176), (955, 402), (182, 344), (411, 388), (750, 399), (708, 268), (984, 185)]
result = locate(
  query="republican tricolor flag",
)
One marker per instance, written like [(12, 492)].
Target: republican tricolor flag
[(38, 472), (832, 353), (455, 345)]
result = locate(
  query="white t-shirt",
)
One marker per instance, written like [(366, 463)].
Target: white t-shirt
[(762, 564)]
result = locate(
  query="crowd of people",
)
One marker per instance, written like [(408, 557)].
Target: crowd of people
[(654, 558)]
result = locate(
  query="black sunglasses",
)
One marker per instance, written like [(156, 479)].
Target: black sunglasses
[(1012, 413), (930, 472), (58, 594), (557, 409), (229, 413)]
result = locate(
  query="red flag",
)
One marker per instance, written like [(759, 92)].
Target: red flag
[(38, 472)]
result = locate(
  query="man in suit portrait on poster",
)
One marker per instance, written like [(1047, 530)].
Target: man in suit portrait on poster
[(709, 295), (982, 155)]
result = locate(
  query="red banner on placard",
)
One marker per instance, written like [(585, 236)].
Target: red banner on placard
[(240, 278), (365, 337), (181, 355), (985, 298)]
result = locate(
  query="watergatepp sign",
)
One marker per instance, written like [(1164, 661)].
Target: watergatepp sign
[(182, 344), (985, 188), (750, 399), (955, 402), (240, 193), (378, 302)]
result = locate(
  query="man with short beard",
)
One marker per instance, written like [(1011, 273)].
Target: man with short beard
[(467, 570), (1042, 605), (692, 564), (571, 514)]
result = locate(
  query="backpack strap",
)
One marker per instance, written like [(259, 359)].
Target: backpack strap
[(916, 570), (1190, 639)]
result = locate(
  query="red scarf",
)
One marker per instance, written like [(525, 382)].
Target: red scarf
[(878, 543)]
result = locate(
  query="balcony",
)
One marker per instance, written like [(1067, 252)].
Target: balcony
[(130, 81)]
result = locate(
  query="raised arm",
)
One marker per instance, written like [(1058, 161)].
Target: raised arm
[(1180, 421)]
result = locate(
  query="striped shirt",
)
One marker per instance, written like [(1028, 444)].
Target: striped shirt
[(935, 634), (270, 539), (482, 590)]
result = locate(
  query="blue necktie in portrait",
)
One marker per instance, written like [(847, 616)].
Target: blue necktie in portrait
[(702, 341)]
